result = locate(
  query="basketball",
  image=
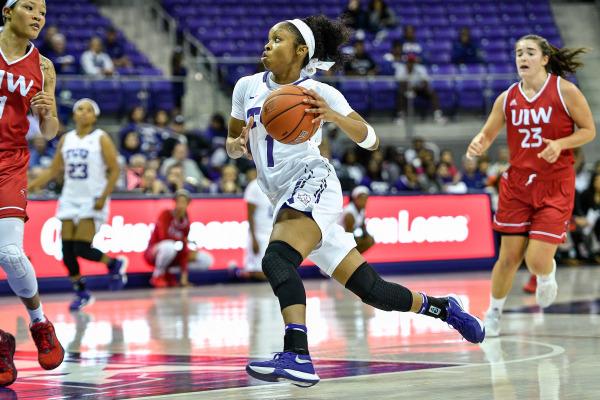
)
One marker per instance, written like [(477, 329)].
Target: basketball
[(284, 118)]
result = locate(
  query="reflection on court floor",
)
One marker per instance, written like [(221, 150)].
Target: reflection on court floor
[(171, 343)]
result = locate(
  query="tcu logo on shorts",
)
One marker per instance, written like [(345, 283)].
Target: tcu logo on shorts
[(303, 198)]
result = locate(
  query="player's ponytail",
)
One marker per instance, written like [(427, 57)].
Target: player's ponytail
[(329, 36), (560, 61)]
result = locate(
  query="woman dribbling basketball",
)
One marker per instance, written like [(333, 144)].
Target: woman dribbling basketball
[(307, 196)]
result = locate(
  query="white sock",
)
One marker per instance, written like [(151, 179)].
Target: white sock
[(36, 315), (497, 304), (549, 277)]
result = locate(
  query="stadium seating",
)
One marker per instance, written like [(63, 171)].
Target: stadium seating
[(494, 26), (79, 20)]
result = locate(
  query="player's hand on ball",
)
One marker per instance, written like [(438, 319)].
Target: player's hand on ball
[(551, 152), (100, 202), (477, 146), (42, 104), (240, 144), (319, 107)]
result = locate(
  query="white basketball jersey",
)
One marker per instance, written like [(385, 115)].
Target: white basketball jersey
[(359, 216), (85, 170), (278, 163), (263, 214)]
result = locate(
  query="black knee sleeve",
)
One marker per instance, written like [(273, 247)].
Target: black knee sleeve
[(69, 257), (366, 283), (85, 250), (279, 265)]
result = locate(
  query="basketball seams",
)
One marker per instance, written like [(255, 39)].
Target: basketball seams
[(284, 111)]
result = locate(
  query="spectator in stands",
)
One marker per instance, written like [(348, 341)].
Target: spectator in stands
[(381, 16), (354, 16), (229, 180), (471, 175), (197, 144), (150, 142), (361, 63), (64, 63), (413, 78), (409, 180), (374, 179), (113, 45), (191, 172), (150, 183), (175, 179), (587, 212), (40, 153), (410, 45), (216, 134), (95, 61), (447, 157), (135, 170), (46, 46), (501, 164), (351, 168), (179, 72), (428, 180), (465, 51), (447, 181), (583, 175), (130, 145)]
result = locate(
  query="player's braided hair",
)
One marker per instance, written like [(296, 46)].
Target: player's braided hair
[(329, 36), (560, 61)]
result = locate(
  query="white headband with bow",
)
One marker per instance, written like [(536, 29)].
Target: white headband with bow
[(309, 39), (10, 3)]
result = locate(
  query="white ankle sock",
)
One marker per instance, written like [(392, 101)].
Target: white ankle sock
[(497, 304), (549, 277), (36, 315)]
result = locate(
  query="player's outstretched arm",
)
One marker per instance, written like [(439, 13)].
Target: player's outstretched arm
[(484, 139), (355, 127), (56, 167), (43, 104)]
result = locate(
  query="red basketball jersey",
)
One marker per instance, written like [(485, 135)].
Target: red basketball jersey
[(529, 120), (20, 80)]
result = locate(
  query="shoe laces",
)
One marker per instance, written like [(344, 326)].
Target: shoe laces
[(43, 338)]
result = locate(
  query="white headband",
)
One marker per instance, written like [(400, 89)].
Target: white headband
[(10, 3), (92, 103), (309, 39)]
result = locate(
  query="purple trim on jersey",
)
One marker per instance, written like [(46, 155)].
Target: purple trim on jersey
[(265, 76), (270, 158)]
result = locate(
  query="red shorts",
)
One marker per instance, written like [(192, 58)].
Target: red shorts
[(13, 183), (538, 206)]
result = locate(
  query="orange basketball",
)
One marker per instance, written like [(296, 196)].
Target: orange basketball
[(284, 118)]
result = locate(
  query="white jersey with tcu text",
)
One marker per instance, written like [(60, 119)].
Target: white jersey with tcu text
[(85, 178), (85, 170), (277, 163)]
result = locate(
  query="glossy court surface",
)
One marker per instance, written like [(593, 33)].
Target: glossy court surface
[(193, 343)]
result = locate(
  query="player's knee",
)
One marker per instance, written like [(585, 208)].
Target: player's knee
[(279, 266), (538, 264), (366, 283), (18, 269), (509, 261)]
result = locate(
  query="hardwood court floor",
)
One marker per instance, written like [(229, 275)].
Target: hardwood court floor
[(193, 343)]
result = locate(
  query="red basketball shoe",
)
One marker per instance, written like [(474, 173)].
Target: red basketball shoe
[(159, 281), (50, 351), (8, 372)]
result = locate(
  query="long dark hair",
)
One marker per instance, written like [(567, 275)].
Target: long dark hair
[(560, 61), (329, 36)]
